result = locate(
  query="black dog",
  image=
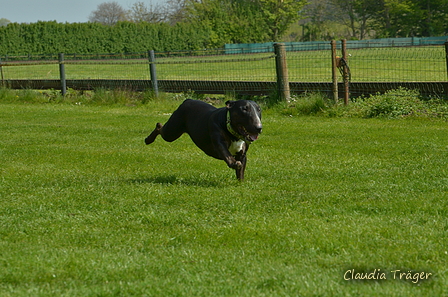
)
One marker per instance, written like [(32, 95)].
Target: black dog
[(223, 133)]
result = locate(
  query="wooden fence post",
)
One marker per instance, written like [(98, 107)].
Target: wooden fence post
[(345, 73), (62, 74), (153, 73), (446, 57), (282, 71), (1, 73), (334, 67)]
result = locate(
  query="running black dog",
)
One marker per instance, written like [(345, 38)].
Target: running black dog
[(223, 133)]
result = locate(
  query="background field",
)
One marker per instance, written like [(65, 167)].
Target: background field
[(89, 210)]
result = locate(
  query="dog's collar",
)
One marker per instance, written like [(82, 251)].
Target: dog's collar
[(233, 132)]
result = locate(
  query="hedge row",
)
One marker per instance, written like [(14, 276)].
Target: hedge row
[(84, 38)]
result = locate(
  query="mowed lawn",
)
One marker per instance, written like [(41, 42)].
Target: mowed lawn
[(88, 210)]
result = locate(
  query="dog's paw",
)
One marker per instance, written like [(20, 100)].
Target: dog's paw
[(237, 165)]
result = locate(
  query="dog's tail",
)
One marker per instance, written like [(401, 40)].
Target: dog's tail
[(150, 139)]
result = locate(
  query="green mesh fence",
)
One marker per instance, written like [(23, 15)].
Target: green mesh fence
[(170, 66), (309, 65), (406, 64), (373, 64), (254, 67)]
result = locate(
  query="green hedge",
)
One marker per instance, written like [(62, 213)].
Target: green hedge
[(84, 38)]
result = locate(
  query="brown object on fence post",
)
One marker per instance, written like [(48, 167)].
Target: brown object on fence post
[(345, 73), (282, 71), (335, 70), (62, 74)]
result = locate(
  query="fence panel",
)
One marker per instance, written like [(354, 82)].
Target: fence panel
[(217, 67), (398, 64), (373, 67)]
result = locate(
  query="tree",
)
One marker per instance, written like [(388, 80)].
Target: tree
[(176, 11), (396, 18), (432, 17), (382, 18), (4, 22), (403, 18), (280, 14), (318, 14), (228, 21), (356, 15), (140, 12), (244, 21), (108, 13), (365, 11)]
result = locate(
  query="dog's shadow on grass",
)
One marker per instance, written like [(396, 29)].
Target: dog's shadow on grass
[(174, 180)]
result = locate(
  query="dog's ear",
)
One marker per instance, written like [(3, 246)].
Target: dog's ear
[(229, 104)]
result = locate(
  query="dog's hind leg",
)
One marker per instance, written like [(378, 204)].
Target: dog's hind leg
[(150, 139), (171, 130)]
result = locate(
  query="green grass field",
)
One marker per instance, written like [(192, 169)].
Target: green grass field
[(89, 210), (371, 64)]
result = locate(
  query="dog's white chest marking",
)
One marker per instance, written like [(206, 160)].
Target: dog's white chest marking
[(236, 146)]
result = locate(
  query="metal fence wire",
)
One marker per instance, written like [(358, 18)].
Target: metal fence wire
[(223, 70)]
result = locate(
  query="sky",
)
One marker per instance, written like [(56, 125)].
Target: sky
[(62, 11)]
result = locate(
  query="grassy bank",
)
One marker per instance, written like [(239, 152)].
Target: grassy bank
[(88, 209)]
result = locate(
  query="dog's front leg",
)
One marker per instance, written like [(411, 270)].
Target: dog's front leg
[(232, 162), (238, 162), (221, 146), (241, 157)]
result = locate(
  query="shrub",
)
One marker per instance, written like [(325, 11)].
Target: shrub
[(86, 38), (392, 104), (396, 103)]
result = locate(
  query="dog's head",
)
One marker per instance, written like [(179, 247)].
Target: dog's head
[(245, 119)]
